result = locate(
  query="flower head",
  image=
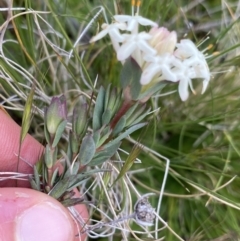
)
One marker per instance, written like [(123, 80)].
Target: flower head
[(134, 42), (113, 31), (194, 66), (56, 113)]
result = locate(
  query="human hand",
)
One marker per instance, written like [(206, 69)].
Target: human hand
[(26, 214)]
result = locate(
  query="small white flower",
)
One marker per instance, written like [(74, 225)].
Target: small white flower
[(194, 67), (134, 42), (133, 21), (113, 31), (159, 65)]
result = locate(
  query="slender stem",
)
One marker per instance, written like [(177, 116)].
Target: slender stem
[(99, 225)]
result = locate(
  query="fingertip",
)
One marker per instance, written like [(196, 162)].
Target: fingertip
[(30, 152), (28, 215)]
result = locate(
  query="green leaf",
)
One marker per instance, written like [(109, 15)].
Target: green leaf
[(59, 133), (87, 150), (128, 163), (141, 117), (48, 157), (107, 96), (130, 77), (126, 133), (136, 114), (76, 180), (96, 137), (106, 132), (131, 110), (36, 177), (73, 169), (107, 116), (152, 90), (54, 176), (104, 154), (33, 184), (60, 188), (119, 126), (72, 202), (98, 109), (27, 115)]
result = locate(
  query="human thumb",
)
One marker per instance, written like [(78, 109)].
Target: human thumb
[(28, 215)]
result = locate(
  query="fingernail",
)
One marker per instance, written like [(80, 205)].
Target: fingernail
[(44, 221)]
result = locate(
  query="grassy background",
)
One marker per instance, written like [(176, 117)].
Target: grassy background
[(200, 136)]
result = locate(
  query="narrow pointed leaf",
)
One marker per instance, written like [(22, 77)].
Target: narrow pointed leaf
[(59, 133), (125, 134), (27, 115), (107, 116), (98, 110), (128, 163), (119, 126), (87, 150), (130, 76), (104, 155), (72, 202), (60, 188)]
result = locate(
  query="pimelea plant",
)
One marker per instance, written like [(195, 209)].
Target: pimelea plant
[(86, 124)]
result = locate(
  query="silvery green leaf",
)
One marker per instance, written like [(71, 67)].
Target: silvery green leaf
[(72, 202), (152, 90), (126, 133), (119, 126), (36, 177), (96, 137), (74, 143), (33, 183), (59, 132), (131, 110), (54, 176), (48, 157), (104, 154), (60, 188), (107, 116), (130, 76), (104, 135), (76, 180), (135, 115), (141, 117), (87, 150), (107, 96), (46, 133), (73, 169), (98, 110)]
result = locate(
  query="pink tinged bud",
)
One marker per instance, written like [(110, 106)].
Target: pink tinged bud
[(163, 40), (56, 113)]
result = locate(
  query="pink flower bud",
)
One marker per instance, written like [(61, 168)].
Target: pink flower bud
[(163, 40), (56, 113)]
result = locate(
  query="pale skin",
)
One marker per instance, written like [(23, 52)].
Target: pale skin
[(26, 214)]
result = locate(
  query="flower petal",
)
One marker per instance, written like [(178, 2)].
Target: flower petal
[(146, 48), (122, 18), (100, 35), (115, 34), (146, 21), (126, 50), (149, 73), (183, 88)]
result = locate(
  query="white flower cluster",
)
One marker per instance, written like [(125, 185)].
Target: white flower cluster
[(157, 52)]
